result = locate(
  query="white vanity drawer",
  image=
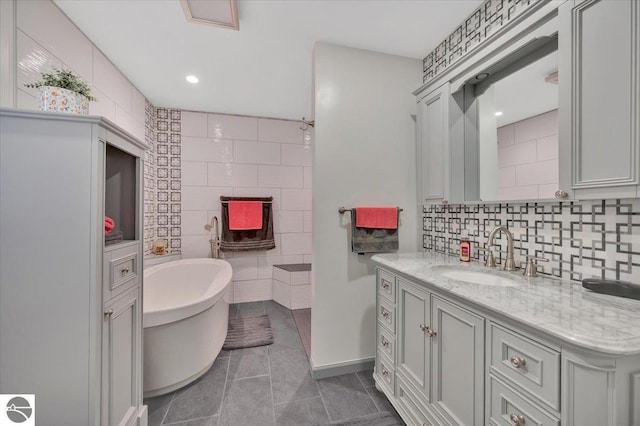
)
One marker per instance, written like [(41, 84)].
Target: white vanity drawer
[(387, 315), (386, 343), (385, 372), (530, 365), (121, 270), (387, 285), (508, 408)]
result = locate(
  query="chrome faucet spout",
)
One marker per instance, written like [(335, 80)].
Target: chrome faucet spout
[(509, 264)]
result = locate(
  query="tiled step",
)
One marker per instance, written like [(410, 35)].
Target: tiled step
[(292, 285)]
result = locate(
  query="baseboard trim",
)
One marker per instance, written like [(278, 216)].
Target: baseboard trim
[(330, 370)]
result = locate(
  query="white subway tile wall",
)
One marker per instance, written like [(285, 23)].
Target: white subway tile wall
[(247, 156), (528, 158), (46, 38)]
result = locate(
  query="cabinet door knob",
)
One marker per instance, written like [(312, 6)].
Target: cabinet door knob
[(125, 271), (385, 342), (429, 330), (518, 362), (385, 372), (108, 312), (385, 284), (384, 313), (560, 194), (517, 419)]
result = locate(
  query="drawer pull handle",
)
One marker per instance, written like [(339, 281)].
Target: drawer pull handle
[(385, 372), (517, 419), (125, 271), (385, 285), (385, 342), (431, 332), (518, 362), (385, 313), (108, 312)]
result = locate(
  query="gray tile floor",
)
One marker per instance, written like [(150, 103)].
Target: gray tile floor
[(271, 385)]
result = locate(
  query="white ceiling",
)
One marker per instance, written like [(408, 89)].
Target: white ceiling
[(525, 93), (265, 68)]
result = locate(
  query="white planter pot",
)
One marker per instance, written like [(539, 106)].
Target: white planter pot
[(62, 100)]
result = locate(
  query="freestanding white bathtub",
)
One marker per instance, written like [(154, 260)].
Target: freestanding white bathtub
[(185, 317)]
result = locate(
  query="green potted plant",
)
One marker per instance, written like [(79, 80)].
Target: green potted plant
[(62, 91)]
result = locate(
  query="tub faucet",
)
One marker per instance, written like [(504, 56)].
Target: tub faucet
[(215, 241), (509, 264)]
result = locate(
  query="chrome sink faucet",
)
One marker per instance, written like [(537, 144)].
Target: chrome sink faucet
[(509, 264)]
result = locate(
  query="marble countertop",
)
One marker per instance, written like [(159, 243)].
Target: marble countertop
[(564, 309)]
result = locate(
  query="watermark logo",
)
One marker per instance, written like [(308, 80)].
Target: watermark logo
[(18, 410)]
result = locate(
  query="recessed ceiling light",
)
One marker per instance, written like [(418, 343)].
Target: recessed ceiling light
[(192, 79), (498, 113)]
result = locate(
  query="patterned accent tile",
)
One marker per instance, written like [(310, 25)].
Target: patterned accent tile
[(581, 239), (168, 162), (486, 20), (149, 178)]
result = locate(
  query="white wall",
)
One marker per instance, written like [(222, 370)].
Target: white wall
[(528, 158), (364, 154), (253, 157), (46, 38)]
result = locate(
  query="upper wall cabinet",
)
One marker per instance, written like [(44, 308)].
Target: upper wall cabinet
[(600, 95), (433, 145), (547, 107)]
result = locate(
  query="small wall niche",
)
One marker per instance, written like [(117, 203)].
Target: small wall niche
[(120, 193)]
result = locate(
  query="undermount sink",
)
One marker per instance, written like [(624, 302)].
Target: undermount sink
[(477, 276)]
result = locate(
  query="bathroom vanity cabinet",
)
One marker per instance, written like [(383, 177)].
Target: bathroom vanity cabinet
[(457, 353), (70, 299)]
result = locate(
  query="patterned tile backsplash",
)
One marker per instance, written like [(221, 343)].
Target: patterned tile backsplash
[(168, 178), (486, 20), (149, 178), (581, 239)]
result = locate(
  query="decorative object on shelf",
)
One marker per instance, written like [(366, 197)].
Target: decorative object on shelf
[(63, 91), (159, 248), (109, 224)]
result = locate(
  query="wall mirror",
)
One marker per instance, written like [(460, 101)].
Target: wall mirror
[(513, 105)]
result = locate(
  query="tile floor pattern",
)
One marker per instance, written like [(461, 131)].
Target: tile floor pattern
[(270, 385)]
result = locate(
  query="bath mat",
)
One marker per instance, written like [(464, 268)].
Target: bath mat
[(248, 332), (379, 419)]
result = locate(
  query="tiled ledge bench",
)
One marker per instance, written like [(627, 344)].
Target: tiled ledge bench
[(292, 285)]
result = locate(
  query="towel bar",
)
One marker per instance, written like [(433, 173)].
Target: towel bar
[(225, 199), (342, 210)]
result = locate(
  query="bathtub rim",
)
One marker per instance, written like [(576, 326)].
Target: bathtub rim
[(159, 317)]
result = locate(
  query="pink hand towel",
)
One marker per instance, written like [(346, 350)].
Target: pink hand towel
[(109, 224), (245, 215), (377, 217)]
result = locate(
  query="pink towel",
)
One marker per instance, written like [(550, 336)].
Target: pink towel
[(109, 224), (245, 215), (377, 217)]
